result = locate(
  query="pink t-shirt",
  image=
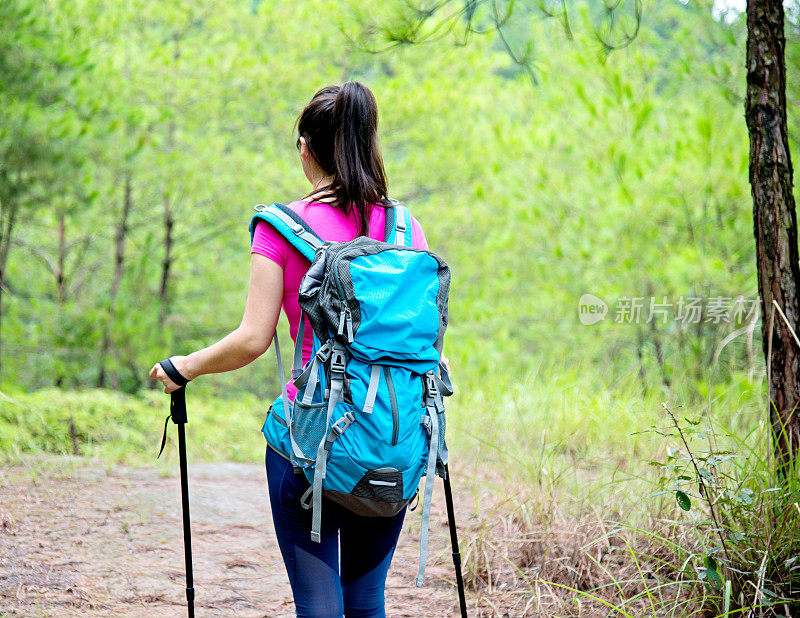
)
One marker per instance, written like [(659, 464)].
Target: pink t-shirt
[(330, 224)]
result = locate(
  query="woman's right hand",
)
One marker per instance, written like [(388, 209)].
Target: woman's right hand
[(158, 373)]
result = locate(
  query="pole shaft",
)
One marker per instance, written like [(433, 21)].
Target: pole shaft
[(187, 534), (451, 519)]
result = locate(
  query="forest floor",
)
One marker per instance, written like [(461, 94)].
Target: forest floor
[(81, 538)]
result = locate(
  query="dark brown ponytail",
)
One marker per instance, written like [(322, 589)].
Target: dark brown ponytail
[(340, 126)]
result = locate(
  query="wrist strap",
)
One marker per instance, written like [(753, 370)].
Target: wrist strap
[(173, 373)]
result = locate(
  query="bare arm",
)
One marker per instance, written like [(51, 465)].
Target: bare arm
[(246, 343)]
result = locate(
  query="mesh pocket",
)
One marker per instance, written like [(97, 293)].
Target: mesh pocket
[(309, 427)]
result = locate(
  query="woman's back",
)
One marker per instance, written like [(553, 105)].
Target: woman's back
[(331, 224)]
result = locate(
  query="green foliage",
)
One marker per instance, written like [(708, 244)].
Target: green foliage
[(683, 500), (40, 124), (744, 516), (620, 175)]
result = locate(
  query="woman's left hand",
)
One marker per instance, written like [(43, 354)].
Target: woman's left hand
[(444, 361), (158, 373)]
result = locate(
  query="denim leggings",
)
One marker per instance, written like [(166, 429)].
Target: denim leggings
[(367, 546)]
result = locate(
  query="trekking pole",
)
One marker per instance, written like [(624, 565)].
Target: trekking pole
[(177, 412), (451, 519)]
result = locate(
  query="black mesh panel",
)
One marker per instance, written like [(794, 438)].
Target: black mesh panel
[(384, 485)]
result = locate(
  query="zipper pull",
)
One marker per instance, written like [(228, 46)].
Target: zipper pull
[(345, 328), (349, 322), (340, 330)]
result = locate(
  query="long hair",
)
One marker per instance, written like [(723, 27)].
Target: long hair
[(340, 126)]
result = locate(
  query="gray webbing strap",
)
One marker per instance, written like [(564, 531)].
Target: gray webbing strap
[(372, 389), (443, 454), (430, 475), (337, 429), (297, 365), (320, 466), (322, 355), (285, 397), (435, 387), (399, 225), (444, 383), (311, 386), (298, 229), (337, 384), (281, 377), (305, 499)]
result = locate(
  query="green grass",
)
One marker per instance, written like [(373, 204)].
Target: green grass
[(127, 429), (576, 506), (555, 421)]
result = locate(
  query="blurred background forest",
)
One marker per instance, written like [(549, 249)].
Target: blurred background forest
[(136, 136), (135, 140)]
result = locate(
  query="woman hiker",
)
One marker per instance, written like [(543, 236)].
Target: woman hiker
[(346, 573)]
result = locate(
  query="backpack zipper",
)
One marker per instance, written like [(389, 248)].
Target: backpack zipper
[(345, 317), (393, 402)]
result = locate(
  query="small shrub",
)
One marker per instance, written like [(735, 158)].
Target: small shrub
[(744, 516)]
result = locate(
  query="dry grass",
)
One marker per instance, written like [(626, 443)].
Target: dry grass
[(526, 557)]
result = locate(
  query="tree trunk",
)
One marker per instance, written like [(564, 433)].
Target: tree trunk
[(8, 215), (775, 220), (169, 219), (61, 285), (166, 266), (119, 263), (61, 281)]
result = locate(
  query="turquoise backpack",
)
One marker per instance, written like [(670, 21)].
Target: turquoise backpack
[(368, 421)]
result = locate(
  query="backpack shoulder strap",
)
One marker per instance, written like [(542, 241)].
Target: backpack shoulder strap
[(290, 225), (398, 224)]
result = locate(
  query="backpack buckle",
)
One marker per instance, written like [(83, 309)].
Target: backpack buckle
[(324, 353), (431, 390), (426, 422), (343, 423), (297, 229), (337, 361)]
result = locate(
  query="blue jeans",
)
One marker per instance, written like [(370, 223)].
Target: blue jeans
[(367, 547)]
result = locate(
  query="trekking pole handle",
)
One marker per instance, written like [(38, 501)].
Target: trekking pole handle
[(177, 406), (177, 403), (173, 373), (177, 400)]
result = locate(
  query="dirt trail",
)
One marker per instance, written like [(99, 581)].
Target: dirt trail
[(80, 540)]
